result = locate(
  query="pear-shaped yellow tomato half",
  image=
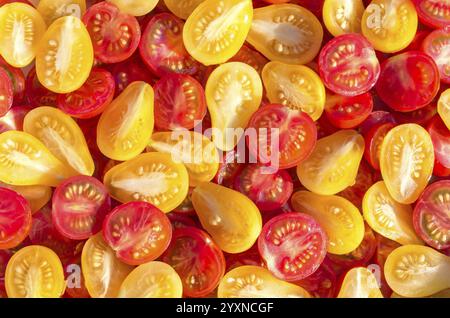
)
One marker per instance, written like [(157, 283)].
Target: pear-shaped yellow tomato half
[(359, 282), (442, 294), (151, 177), (125, 127), (34, 272), (343, 16), (182, 8), (233, 94), (62, 136), (406, 162), (232, 219), (257, 282), (387, 217), (295, 86), (135, 7), (65, 56), (287, 33), (216, 30), (22, 29), (443, 107), (24, 160), (197, 152), (36, 195), (334, 163), (341, 220), (103, 273), (417, 271), (152, 280), (54, 9)]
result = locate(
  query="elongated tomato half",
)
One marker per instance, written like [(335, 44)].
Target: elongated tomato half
[(51, 10), (359, 282)]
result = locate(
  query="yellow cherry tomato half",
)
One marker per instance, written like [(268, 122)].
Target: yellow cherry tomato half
[(443, 107), (286, 33), (295, 86), (257, 282), (24, 160), (51, 10), (62, 136), (151, 177), (34, 272), (232, 219), (406, 161), (125, 127), (135, 7), (387, 217), (36, 195), (343, 16), (390, 25), (217, 29), (341, 220), (152, 280), (233, 94), (359, 282), (65, 56), (333, 165), (417, 271), (182, 8), (197, 152), (103, 273), (22, 29)]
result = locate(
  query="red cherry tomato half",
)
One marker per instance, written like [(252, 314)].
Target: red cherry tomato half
[(36, 94), (431, 216), (437, 45), (374, 138), (197, 259), (408, 81), (440, 136), (293, 245), (419, 116), (79, 206), (434, 13), (293, 130), (348, 112), (15, 218), (322, 283), (92, 98), (162, 47), (138, 232), (6, 92), (376, 118), (229, 168), (251, 57), (269, 191), (179, 102), (13, 119), (17, 79), (348, 65), (115, 35)]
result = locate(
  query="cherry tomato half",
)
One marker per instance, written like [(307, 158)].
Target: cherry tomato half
[(437, 45), (434, 13), (6, 92), (348, 112)]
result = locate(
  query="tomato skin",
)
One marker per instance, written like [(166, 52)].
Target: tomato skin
[(250, 57), (374, 139), (36, 94), (51, 10), (229, 168), (348, 112), (17, 78), (6, 92), (428, 12), (440, 136), (376, 118), (322, 283), (421, 116), (359, 282), (436, 45)]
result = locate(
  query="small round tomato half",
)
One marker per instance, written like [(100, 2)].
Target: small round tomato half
[(6, 92), (138, 232), (440, 136), (374, 139), (51, 10), (408, 81), (431, 216), (342, 17), (15, 218), (197, 259), (293, 245), (115, 35), (90, 99), (348, 65), (179, 102), (434, 13), (285, 137), (348, 112), (437, 45), (79, 205)]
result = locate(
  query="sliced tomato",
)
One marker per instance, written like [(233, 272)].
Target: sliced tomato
[(17, 78), (36, 93), (376, 118), (421, 116), (437, 45), (6, 92), (440, 136), (434, 13), (374, 139), (322, 283), (229, 168), (348, 112), (251, 57)]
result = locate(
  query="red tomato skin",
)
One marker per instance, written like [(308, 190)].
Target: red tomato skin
[(230, 166), (180, 220), (249, 257), (372, 143), (6, 92), (376, 118), (421, 116), (36, 94)]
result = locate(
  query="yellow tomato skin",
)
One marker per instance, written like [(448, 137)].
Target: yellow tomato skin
[(443, 107), (182, 8), (152, 280), (271, 27), (216, 30), (151, 177), (257, 282), (232, 219), (103, 273), (51, 10), (193, 149), (295, 86), (387, 217), (24, 160), (406, 162), (135, 7), (62, 136), (390, 25), (340, 219), (359, 282), (36, 195), (34, 272), (65, 56), (22, 30), (334, 163), (343, 17), (125, 127), (417, 271), (233, 94)]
